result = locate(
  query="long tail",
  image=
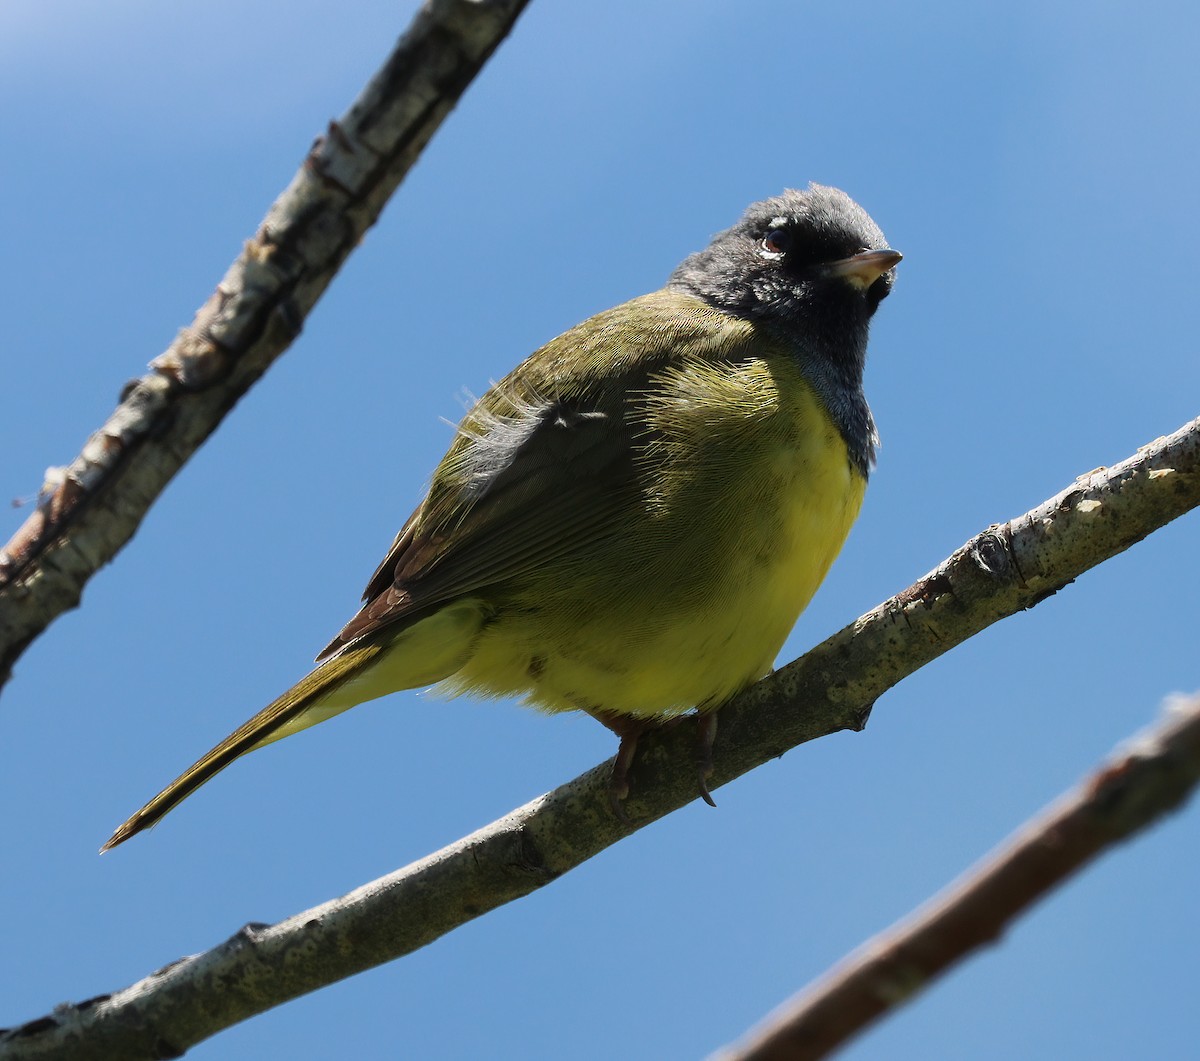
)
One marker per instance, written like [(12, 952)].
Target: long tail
[(271, 723)]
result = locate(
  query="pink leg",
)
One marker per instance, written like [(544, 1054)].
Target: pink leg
[(630, 730)]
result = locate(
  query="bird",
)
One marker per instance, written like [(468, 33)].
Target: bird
[(630, 522)]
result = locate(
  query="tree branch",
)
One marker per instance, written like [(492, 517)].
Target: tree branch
[(1005, 569), (1139, 784), (88, 510)]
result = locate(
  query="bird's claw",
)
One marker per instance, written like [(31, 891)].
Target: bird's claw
[(706, 733)]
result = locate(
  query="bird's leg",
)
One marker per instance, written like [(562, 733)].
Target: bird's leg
[(629, 729), (706, 733)]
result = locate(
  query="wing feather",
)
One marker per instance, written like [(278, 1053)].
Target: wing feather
[(545, 466)]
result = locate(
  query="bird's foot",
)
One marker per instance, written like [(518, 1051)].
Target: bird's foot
[(706, 733), (630, 730)]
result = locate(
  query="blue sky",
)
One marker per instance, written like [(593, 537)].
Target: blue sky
[(1036, 165)]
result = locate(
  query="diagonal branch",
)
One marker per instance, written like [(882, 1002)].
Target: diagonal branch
[(1135, 788), (1005, 569), (88, 510)]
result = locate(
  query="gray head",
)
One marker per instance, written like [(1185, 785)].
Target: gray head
[(811, 268)]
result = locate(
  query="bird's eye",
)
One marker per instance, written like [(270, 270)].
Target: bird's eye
[(777, 241)]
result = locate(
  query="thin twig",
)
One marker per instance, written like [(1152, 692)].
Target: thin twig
[(1138, 785), (1003, 570), (89, 509)]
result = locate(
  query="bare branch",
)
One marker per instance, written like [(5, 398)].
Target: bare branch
[(88, 510), (1138, 785), (1005, 569)]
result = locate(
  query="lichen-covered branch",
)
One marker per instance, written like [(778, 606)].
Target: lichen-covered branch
[(1003, 570), (89, 509), (1144, 780)]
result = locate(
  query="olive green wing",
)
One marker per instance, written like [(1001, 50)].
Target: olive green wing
[(544, 466), (533, 511)]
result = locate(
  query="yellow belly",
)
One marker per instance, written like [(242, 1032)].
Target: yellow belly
[(739, 545)]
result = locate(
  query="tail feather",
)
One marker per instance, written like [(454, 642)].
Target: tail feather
[(261, 729)]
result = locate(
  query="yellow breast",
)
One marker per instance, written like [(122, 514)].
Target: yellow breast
[(749, 494), (779, 495)]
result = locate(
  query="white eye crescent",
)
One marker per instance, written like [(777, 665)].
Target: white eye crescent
[(778, 240)]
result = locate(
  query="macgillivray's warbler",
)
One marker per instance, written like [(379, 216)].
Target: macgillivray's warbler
[(630, 522)]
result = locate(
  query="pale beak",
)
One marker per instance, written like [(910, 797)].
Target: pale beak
[(862, 270)]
